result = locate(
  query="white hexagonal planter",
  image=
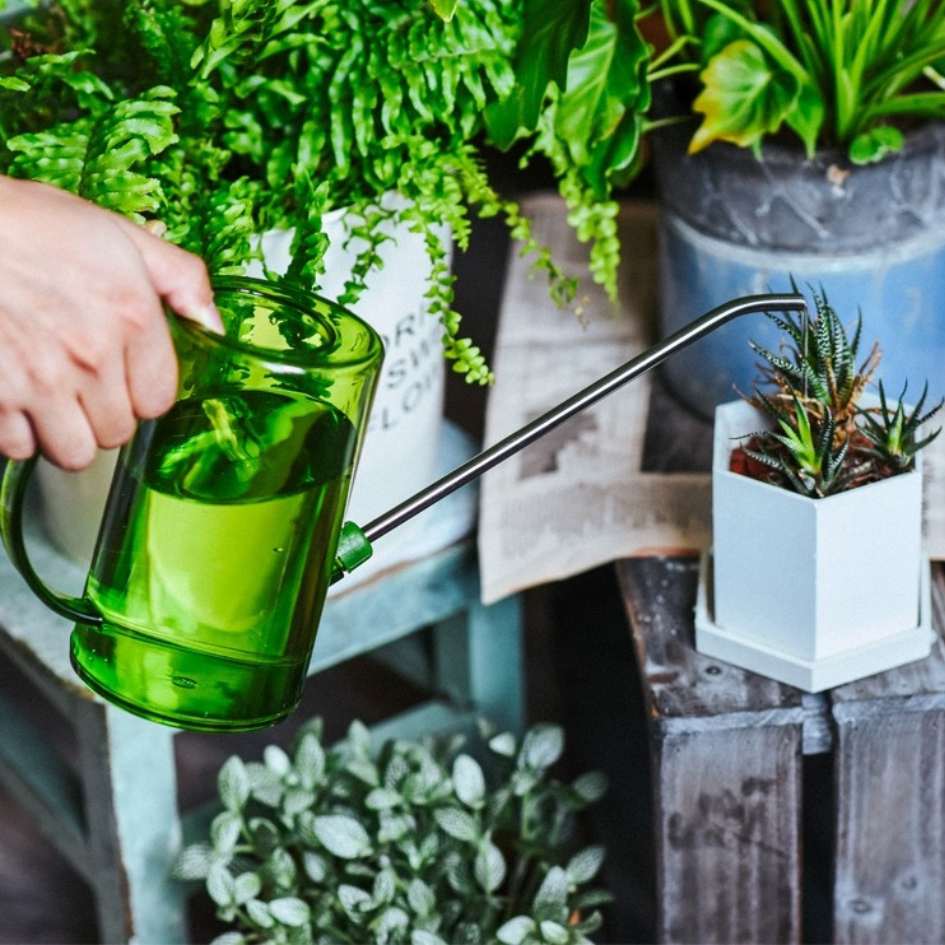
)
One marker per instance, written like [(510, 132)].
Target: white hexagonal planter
[(812, 592)]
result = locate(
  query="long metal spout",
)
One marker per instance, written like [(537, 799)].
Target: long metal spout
[(354, 546)]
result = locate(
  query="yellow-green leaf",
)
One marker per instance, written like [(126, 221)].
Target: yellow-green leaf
[(445, 8), (875, 144), (744, 97)]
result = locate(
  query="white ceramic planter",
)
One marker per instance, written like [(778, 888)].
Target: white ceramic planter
[(813, 592), (71, 504), (400, 449)]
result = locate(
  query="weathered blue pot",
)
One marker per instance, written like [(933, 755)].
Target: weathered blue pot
[(873, 237)]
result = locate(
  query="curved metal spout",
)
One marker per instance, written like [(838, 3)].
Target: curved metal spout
[(354, 547)]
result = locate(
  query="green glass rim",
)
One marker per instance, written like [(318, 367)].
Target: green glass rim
[(329, 315)]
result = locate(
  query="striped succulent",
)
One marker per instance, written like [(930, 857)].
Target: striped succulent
[(894, 433), (820, 362), (810, 459), (821, 439)]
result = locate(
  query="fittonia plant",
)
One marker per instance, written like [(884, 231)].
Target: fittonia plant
[(412, 844)]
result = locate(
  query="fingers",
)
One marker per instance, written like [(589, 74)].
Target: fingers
[(106, 400), (84, 343), (179, 277), (151, 370), (16, 435), (63, 432)]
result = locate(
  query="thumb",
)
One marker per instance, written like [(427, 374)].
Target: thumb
[(179, 278)]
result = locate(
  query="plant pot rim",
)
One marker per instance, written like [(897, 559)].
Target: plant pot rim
[(915, 472), (784, 149), (778, 152)]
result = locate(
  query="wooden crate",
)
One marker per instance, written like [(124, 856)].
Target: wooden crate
[(727, 749)]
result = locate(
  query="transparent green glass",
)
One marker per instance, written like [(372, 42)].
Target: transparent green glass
[(220, 531)]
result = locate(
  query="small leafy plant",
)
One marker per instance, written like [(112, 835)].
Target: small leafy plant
[(407, 845), (893, 432), (849, 73), (822, 440)]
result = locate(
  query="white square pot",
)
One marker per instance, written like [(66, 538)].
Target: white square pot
[(799, 581)]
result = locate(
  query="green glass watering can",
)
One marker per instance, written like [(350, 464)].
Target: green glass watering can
[(224, 523)]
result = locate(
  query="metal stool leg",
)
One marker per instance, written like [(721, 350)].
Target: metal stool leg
[(130, 787), (478, 661)]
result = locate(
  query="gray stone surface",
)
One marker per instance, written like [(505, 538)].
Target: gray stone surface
[(788, 202)]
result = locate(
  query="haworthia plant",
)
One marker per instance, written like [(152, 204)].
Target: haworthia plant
[(822, 439)]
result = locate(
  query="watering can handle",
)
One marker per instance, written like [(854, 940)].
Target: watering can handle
[(12, 494), (354, 546)]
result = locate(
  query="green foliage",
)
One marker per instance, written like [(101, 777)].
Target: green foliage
[(893, 433), (412, 843), (224, 118), (811, 460), (819, 359), (445, 8), (101, 156), (743, 98), (821, 439), (833, 71), (582, 82), (551, 31)]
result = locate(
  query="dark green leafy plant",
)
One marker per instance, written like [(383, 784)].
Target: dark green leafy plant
[(819, 360), (810, 459), (225, 118), (893, 433), (822, 440), (410, 844), (835, 72)]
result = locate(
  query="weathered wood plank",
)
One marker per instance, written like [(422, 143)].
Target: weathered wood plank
[(129, 776), (384, 610), (727, 751), (890, 854), (890, 775), (42, 783), (683, 686), (728, 836)]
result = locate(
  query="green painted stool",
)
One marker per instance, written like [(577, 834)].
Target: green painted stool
[(116, 817)]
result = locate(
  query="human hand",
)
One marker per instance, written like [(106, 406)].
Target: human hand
[(84, 345)]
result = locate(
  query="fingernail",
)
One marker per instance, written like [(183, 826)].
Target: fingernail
[(157, 227), (211, 319)]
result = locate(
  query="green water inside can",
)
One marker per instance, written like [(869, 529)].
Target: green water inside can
[(215, 557)]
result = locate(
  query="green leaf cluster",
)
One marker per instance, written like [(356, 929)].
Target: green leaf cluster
[(821, 439), (408, 843), (225, 118), (583, 85), (835, 72), (894, 431)]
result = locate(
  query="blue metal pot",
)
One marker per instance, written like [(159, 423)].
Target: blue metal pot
[(873, 237)]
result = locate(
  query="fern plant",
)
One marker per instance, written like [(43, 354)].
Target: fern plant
[(821, 439), (225, 118)]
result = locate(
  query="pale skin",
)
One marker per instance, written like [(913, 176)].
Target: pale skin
[(85, 350)]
